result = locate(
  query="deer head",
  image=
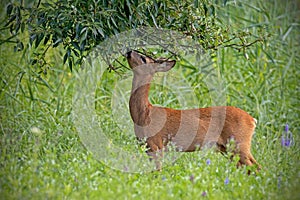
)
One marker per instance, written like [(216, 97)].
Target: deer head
[(143, 64)]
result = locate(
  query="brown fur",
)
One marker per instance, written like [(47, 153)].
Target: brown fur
[(187, 129)]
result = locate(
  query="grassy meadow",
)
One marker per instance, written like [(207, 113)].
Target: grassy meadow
[(42, 156)]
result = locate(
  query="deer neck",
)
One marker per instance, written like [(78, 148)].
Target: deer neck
[(139, 104)]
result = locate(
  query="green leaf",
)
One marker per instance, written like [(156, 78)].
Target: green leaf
[(32, 38), (57, 42), (78, 62), (46, 39), (65, 58), (78, 29), (9, 9), (23, 26), (67, 55), (212, 10), (18, 25), (75, 45), (12, 18), (75, 52), (196, 3), (38, 40), (70, 64), (21, 46), (47, 5), (114, 23), (101, 32), (205, 9), (82, 45)]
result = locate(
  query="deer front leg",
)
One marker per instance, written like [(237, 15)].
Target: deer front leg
[(155, 151)]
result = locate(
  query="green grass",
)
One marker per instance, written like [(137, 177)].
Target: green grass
[(42, 157)]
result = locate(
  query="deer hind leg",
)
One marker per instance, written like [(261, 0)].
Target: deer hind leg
[(254, 162), (246, 157), (244, 153), (155, 152)]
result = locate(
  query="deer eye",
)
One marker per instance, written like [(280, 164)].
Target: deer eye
[(143, 59)]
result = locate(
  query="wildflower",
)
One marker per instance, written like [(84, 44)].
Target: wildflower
[(208, 162), (204, 194), (192, 178), (226, 182), (286, 128), (279, 182), (287, 137)]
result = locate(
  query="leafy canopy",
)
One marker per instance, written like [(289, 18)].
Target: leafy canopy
[(80, 25)]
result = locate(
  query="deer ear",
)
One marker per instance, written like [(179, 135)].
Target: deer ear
[(165, 66)]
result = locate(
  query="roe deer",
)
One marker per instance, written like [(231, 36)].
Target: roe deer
[(186, 129)]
